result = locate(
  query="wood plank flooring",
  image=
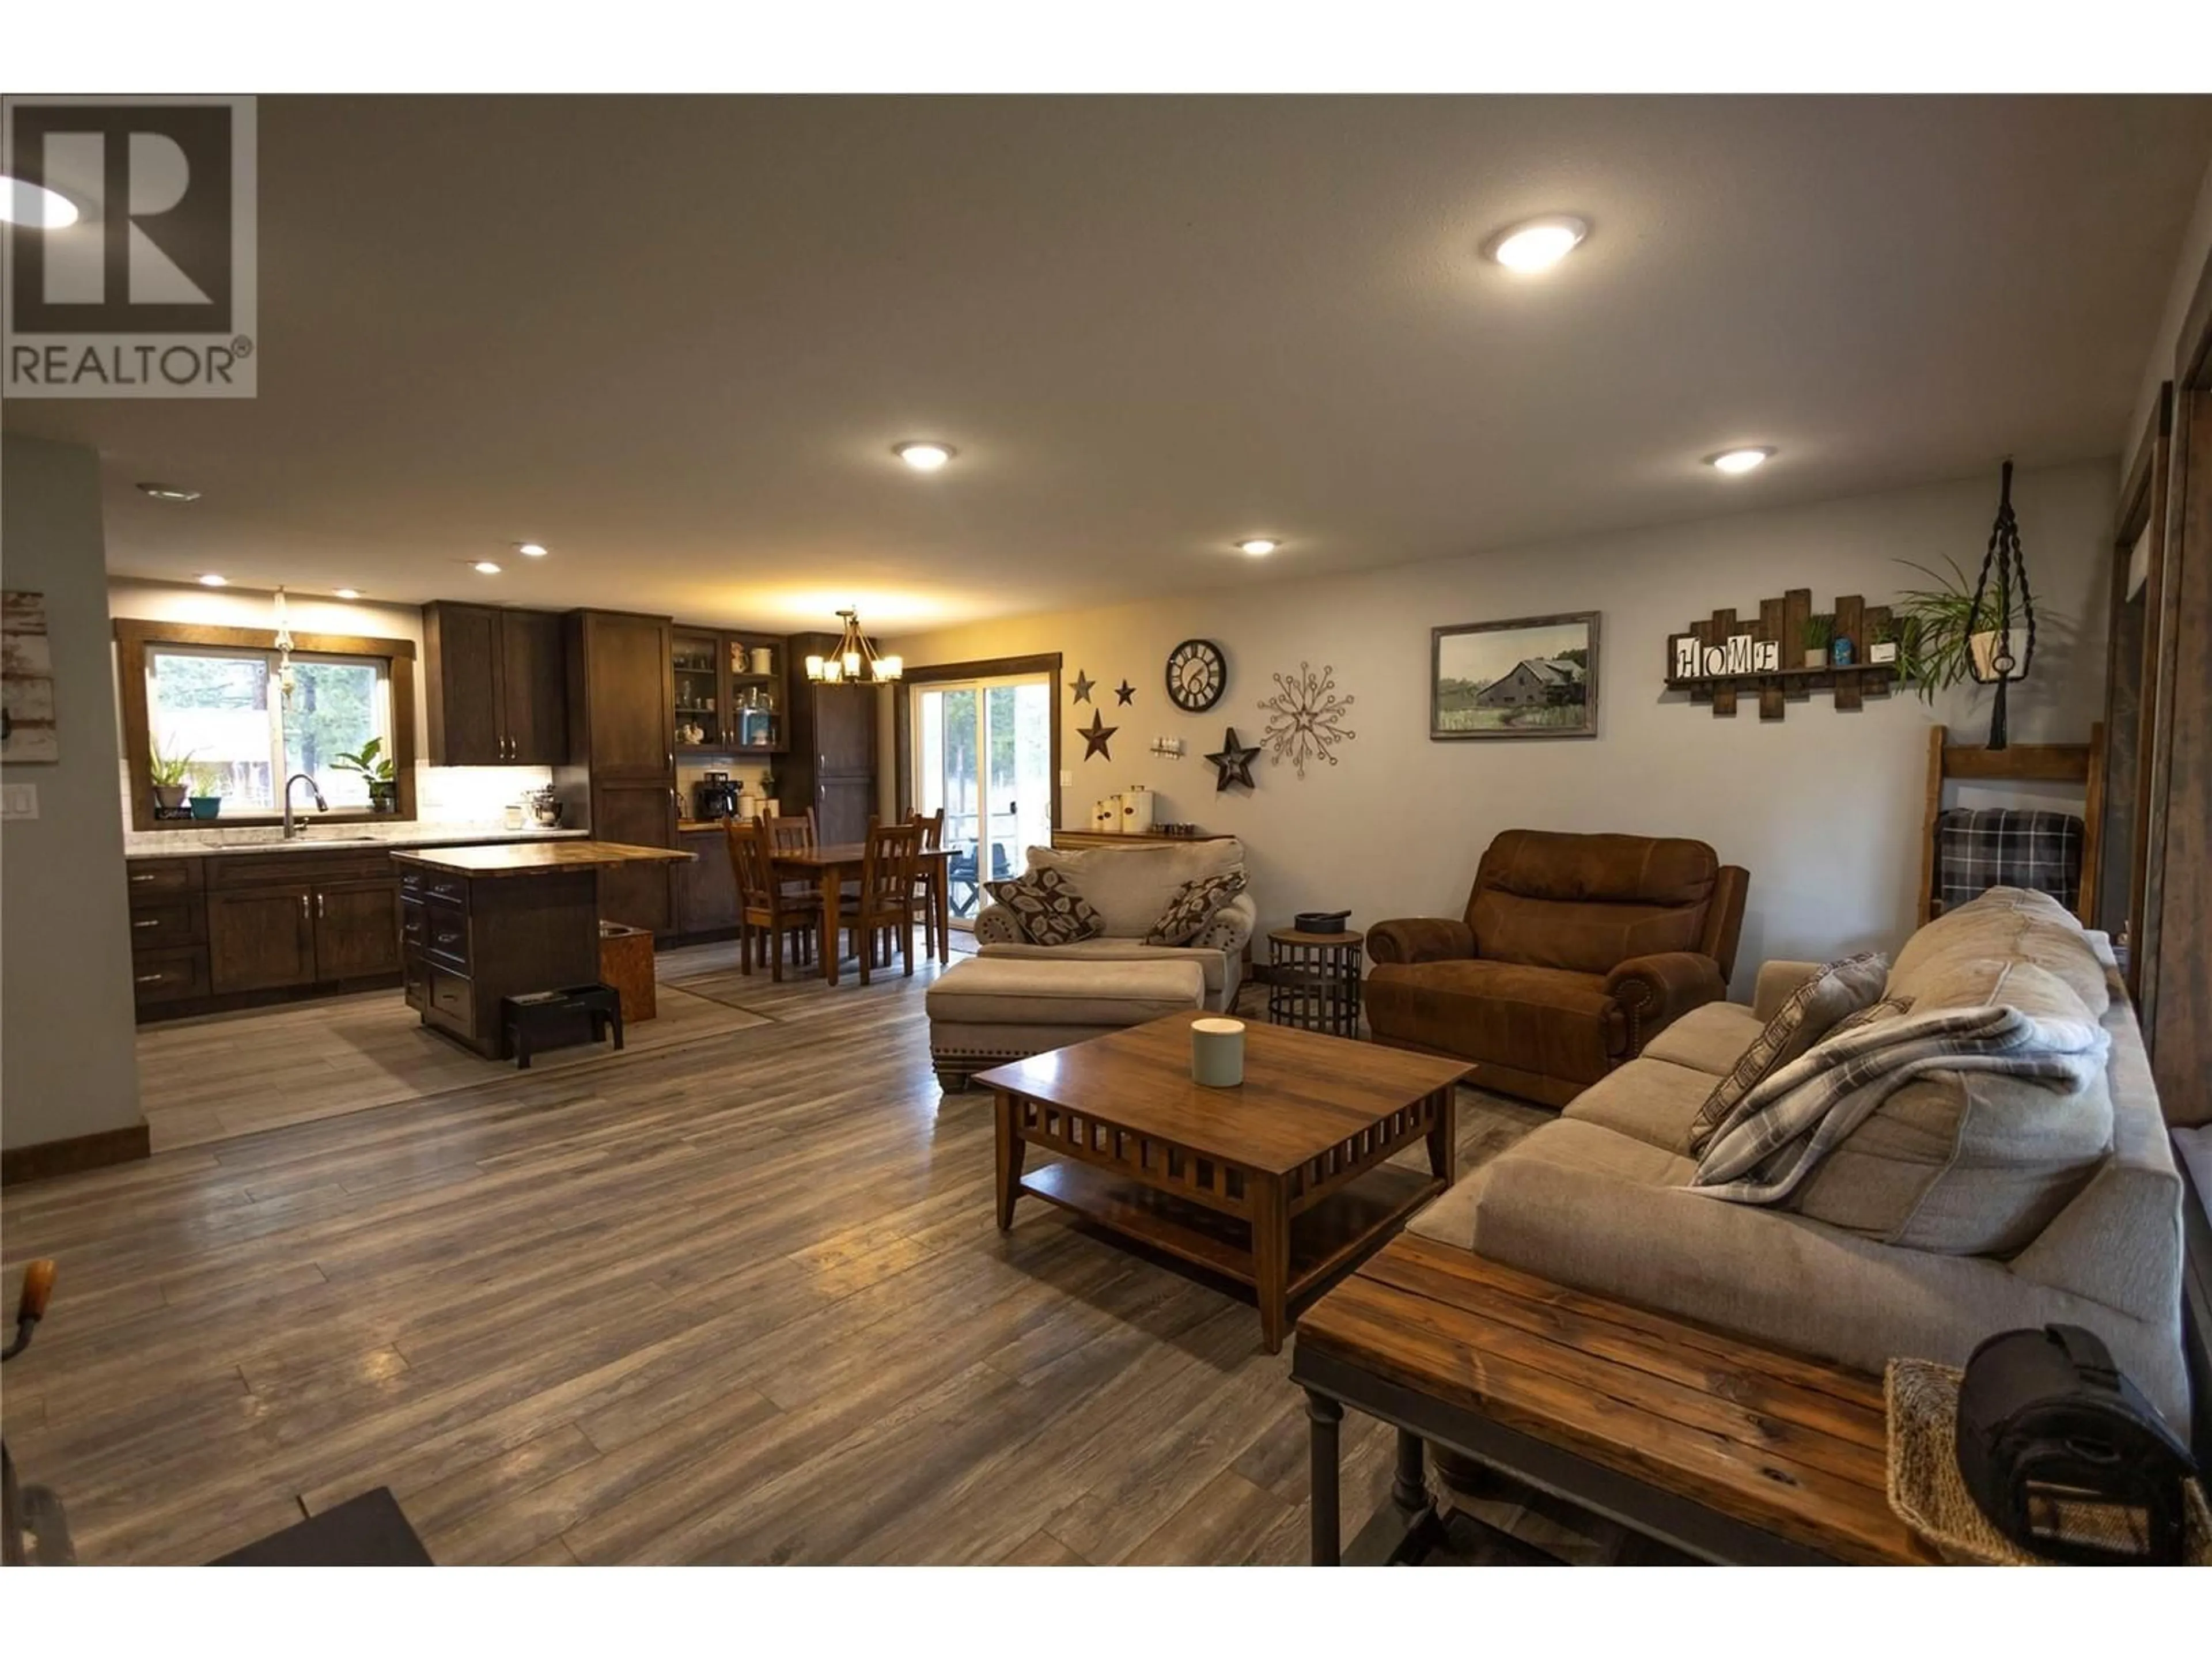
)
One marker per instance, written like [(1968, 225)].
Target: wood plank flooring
[(732, 1298)]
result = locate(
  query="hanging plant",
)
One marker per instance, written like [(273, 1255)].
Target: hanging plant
[(1935, 630)]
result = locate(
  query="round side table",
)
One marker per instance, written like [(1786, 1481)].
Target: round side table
[(1313, 980)]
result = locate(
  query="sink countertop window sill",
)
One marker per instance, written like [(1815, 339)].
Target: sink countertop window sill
[(199, 844)]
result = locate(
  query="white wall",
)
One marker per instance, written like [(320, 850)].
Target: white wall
[(1823, 808), (2188, 272), (67, 1063)]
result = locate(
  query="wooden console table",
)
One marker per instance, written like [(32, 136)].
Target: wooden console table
[(1721, 1448)]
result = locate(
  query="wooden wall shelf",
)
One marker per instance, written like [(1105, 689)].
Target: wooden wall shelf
[(1780, 622)]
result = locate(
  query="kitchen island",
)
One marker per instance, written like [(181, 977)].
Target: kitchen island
[(479, 924)]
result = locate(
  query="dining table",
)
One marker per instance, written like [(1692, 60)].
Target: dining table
[(831, 866)]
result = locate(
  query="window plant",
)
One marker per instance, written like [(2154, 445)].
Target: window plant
[(208, 785), (168, 773), (374, 768)]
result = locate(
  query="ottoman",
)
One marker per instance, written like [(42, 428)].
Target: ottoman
[(984, 1012)]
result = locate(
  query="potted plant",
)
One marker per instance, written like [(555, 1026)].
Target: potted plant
[(207, 789), (1934, 648), (374, 768), (1818, 634), (1882, 648), (168, 773)]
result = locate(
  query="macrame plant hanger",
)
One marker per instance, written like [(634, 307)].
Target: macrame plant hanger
[(2009, 566)]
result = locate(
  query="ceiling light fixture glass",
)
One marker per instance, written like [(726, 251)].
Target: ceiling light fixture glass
[(924, 457), (1540, 243), (530, 550), (161, 492), (213, 580), (853, 659), (486, 568), (1739, 460), (1258, 546), (35, 206)]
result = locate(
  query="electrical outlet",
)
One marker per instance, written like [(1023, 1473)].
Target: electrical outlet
[(19, 801)]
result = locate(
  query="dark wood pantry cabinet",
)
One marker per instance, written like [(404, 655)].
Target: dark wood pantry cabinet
[(620, 777)]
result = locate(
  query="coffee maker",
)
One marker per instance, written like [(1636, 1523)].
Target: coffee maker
[(715, 797)]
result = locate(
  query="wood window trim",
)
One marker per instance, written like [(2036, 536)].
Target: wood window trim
[(1046, 663), (134, 638)]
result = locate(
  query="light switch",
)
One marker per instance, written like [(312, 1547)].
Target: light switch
[(19, 801), (1066, 779)]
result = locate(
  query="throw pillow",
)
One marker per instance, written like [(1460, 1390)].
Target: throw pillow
[(1194, 907), (1048, 909), (1812, 1012)]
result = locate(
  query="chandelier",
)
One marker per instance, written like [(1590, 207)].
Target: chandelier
[(854, 660)]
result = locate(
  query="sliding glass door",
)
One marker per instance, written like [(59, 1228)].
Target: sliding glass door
[(983, 751)]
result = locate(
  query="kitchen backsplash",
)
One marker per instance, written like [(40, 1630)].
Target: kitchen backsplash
[(458, 798)]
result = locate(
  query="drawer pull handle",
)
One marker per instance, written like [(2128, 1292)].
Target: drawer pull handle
[(148, 876), (151, 979), (151, 921)]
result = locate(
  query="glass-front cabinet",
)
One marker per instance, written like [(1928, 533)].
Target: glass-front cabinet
[(729, 693)]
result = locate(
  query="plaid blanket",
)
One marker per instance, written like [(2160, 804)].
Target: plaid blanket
[(1977, 849), (1778, 1133)]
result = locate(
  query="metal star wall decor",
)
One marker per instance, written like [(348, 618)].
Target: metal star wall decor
[(1095, 736), (1081, 685), (1124, 691), (1233, 762), (1305, 718)]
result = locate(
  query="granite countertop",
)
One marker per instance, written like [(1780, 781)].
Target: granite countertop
[(185, 844), (528, 859)]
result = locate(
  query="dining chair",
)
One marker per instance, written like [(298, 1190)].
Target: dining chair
[(764, 904), (883, 903), (794, 833), (929, 876)]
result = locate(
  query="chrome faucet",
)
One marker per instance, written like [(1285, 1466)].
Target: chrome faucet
[(292, 830)]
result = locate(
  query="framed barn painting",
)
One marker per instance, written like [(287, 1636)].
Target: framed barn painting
[(1534, 677)]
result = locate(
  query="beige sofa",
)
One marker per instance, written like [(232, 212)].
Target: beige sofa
[(1129, 887), (1966, 1205)]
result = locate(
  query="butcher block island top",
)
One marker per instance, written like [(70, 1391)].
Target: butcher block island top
[(530, 858)]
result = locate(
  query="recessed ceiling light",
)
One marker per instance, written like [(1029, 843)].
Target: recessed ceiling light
[(486, 568), (1738, 460), (213, 580), (1538, 244), (530, 550), (161, 492), (1258, 546), (22, 203), (924, 457), (348, 592)]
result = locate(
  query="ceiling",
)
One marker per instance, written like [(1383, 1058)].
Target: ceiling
[(674, 339)]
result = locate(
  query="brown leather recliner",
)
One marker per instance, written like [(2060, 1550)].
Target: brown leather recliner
[(1575, 951)]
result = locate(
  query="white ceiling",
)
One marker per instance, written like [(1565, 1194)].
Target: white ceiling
[(675, 339)]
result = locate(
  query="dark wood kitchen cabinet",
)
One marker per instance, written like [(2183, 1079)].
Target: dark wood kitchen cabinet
[(831, 767), (357, 929), (496, 685), (233, 931), (261, 938), (621, 770), (706, 888)]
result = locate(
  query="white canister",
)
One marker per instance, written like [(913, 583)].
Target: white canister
[(1106, 815), (1137, 811), (764, 659), (1216, 1053)]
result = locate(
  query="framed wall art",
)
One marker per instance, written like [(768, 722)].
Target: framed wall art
[(1533, 677)]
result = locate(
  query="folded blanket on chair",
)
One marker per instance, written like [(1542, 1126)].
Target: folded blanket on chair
[(1778, 1133)]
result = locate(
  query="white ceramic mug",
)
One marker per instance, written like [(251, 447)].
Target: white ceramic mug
[(1216, 1053)]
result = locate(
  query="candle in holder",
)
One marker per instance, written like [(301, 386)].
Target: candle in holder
[(1216, 1053)]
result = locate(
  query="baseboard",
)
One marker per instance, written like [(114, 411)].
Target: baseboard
[(67, 1157)]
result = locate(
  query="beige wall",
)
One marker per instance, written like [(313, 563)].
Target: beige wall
[(67, 1063), (2181, 291), (1824, 808)]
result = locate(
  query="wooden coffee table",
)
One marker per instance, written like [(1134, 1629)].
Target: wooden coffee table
[(1280, 1183)]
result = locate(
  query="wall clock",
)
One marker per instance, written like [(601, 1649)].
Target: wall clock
[(1197, 675)]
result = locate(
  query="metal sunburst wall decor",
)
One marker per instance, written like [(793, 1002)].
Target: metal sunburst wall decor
[(1305, 718)]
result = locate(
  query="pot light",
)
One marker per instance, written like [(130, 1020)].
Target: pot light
[(486, 568), (22, 203), (213, 580), (162, 492), (1738, 460), (348, 592), (530, 550), (1538, 244), (924, 457), (1258, 546)]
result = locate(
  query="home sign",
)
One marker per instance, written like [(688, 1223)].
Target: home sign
[(1790, 650)]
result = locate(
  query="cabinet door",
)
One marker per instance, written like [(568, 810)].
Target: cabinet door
[(636, 815), (626, 680), (845, 728), (260, 938), (706, 888), (356, 929), (533, 688), (460, 647), (841, 808)]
